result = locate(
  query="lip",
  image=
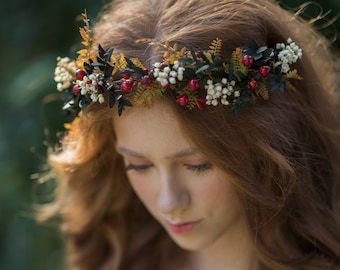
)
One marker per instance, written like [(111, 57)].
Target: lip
[(183, 227)]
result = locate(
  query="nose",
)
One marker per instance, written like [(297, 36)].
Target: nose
[(173, 195)]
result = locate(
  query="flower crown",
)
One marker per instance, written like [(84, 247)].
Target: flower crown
[(251, 73)]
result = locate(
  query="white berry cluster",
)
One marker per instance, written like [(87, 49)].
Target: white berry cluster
[(223, 90), (64, 73), (89, 86), (168, 75), (289, 54)]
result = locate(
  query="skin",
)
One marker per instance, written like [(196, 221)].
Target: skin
[(177, 184)]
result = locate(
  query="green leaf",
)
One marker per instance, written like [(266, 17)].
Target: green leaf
[(122, 102), (203, 68), (108, 71), (205, 59), (126, 101), (267, 54), (108, 55), (83, 105), (88, 68), (231, 70), (251, 47), (239, 75), (261, 50), (137, 70), (98, 64), (189, 73), (193, 54), (112, 99), (101, 51), (181, 86), (257, 76), (100, 60)]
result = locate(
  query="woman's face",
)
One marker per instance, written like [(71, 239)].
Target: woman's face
[(191, 198)]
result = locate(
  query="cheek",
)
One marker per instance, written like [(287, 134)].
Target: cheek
[(216, 194), (213, 196), (145, 191)]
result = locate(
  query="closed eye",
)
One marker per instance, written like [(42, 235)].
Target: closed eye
[(138, 168), (199, 167)]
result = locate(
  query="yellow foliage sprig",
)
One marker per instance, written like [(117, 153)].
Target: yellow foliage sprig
[(237, 61), (144, 96), (86, 35), (262, 91), (171, 53), (292, 75), (215, 47)]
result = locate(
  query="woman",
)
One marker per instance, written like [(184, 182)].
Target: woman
[(199, 180)]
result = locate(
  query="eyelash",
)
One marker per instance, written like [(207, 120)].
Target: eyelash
[(138, 168), (196, 168), (200, 167)]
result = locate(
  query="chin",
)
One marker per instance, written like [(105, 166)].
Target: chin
[(189, 243)]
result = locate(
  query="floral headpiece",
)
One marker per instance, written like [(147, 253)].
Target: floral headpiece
[(251, 73)]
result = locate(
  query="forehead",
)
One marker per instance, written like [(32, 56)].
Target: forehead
[(153, 131)]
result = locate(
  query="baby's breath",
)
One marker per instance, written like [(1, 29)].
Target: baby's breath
[(222, 91), (288, 54), (64, 73)]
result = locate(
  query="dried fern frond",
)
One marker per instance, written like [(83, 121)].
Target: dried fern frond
[(85, 36), (137, 63), (226, 67), (215, 47), (122, 62), (170, 56), (208, 56), (237, 61), (83, 52), (290, 86), (85, 31), (114, 63), (144, 96), (293, 75), (80, 61), (263, 91)]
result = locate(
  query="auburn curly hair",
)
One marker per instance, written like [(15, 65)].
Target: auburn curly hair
[(285, 152)]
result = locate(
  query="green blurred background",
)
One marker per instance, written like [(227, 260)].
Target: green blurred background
[(33, 34)]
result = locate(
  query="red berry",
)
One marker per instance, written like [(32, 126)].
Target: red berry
[(127, 86), (76, 89), (126, 76), (146, 80), (183, 100), (247, 60), (89, 82), (193, 84), (199, 103), (146, 71), (264, 71), (252, 84), (80, 74)]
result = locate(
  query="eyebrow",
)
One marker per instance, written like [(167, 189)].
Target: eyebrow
[(181, 153)]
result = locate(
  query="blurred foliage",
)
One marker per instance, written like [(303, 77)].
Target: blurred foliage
[(33, 34)]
